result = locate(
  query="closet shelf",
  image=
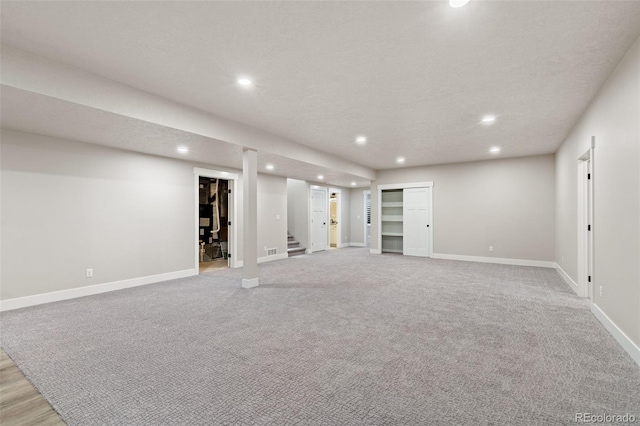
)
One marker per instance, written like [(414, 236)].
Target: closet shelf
[(392, 204), (392, 234), (392, 218)]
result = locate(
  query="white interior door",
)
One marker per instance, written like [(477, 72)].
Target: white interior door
[(417, 222), (318, 220)]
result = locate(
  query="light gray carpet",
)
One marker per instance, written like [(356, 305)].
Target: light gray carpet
[(336, 338)]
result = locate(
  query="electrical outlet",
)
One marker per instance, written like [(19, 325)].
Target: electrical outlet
[(600, 291), (89, 273), (490, 248)]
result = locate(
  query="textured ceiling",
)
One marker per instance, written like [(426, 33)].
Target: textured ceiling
[(414, 77)]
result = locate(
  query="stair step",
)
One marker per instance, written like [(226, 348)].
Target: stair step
[(296, 251), (293, 243)]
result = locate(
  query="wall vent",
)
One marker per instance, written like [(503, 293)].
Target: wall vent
[(272, 251)]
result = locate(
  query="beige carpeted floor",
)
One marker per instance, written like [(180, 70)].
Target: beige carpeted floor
[(335, 338)]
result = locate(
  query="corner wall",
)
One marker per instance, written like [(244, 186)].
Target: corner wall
[(613, 117)]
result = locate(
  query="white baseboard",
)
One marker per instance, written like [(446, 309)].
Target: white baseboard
[(356, 244), (265, 259), (72, 293), (278, 256), (250, 283), (568, 280), (343, 245), (627, 344), (375, 251), (498, 260)]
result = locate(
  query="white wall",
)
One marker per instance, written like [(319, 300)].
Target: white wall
[(507, 204), (298, 210), (345, 213), (357, 216), (68, 206), (272, 214), (613, 117)]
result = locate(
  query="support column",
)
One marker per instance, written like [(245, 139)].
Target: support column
[(249, 218)]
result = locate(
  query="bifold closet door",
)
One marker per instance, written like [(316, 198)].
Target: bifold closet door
[(417, 222)]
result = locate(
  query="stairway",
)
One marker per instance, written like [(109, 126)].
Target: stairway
[(294, 248)]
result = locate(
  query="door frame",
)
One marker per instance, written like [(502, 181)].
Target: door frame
[(338, 191), (403, 186), (326, 218), (232, 260), (585, 216)]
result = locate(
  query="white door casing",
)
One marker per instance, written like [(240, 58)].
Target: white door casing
[(338, 225), (378, 206), (319, 228), (586, 224), (417, 231), (232, 204)]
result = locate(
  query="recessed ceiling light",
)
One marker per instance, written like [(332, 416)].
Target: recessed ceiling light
[(320, 177), (353, 184), (361, 140), (495, 150), (400, 160), (244, 81), (488, 119), (269, 166), (458, 3), (182, 149)]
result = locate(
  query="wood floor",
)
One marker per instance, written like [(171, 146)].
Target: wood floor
[(20, 403)]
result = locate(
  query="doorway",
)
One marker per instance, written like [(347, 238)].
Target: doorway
[(215, 216), (318, 219), (213, 228), (405, 225), (334, 236), (586, 276)]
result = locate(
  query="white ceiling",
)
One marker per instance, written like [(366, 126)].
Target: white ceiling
[(45, 115), (414, 77)]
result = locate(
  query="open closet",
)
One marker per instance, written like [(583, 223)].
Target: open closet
[(405, 221), (214, 230), (392, 221)]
